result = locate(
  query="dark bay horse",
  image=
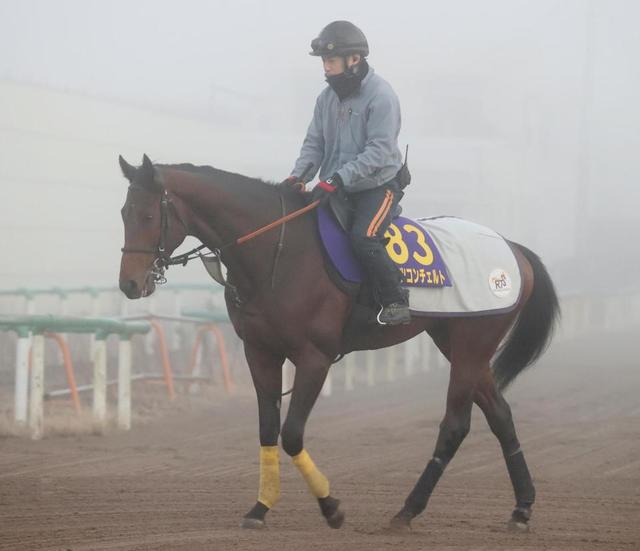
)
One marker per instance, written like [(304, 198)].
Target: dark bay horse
[(284, 305)]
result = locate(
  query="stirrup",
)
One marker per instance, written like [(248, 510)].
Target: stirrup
[(399, 312)]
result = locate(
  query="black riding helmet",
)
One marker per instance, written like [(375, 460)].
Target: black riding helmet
[(340, 38)]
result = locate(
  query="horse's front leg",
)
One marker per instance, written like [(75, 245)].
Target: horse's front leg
[(311, 372), (266, 371)]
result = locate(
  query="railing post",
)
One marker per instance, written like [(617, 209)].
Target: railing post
[(30, 303), (224, 364), (124, 306), (93, 312), (100, 383), (22, 377), (408, 356), (392, 358), (149, 343), (176, 336), (124, 384), (36, 414), (349, 371), (371, 368)]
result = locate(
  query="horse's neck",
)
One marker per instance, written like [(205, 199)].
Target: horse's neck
[(220, 213)]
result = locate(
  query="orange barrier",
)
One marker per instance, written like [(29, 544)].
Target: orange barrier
[(166, 363), (68, 366), (226, 375)]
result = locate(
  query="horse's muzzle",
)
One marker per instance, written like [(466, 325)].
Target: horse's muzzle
[(131, 289)]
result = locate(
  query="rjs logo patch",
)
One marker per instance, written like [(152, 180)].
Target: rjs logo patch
[(500, 283)]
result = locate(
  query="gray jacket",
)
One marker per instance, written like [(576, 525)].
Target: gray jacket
[(357, 138)]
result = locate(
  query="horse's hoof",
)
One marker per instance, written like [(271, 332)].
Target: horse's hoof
[(518, 526), (336, 519), (519, 521), (330, 507), (400, 525), (253, 523)]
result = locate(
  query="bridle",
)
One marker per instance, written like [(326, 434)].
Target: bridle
[(163, 260)]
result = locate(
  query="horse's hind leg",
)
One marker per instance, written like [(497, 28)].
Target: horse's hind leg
[(498, 414), (465, 373)]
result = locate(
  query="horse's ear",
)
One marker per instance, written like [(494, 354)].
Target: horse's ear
[(146, 163), (148, 175), (128, 170)]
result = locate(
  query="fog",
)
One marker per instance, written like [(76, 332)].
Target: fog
[(521, 115)]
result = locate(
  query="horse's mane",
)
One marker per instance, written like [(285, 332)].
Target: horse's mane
[(233, 180), (221, 176)]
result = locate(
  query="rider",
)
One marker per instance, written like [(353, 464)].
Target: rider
[(353, 140)]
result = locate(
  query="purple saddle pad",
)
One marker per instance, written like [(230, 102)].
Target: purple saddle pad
[(409, 246)]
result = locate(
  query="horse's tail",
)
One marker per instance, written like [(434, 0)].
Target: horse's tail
[(532, 331)]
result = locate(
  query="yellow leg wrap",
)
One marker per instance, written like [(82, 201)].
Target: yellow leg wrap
[(269, 493), (317, 482)]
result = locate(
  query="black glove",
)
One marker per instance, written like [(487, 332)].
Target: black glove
[(291, 184), (325, 188)]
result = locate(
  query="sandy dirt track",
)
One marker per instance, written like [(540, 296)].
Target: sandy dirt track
[(184, 481)]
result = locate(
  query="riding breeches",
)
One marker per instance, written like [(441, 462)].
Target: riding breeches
[(373, 210)]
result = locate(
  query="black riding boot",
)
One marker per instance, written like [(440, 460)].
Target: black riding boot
[(385, 278)]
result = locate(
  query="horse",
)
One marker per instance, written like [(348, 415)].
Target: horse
[(283, 304)]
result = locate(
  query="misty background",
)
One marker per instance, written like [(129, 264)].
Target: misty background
[(520, 115)]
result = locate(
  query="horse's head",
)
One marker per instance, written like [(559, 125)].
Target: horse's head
[(152, 229)]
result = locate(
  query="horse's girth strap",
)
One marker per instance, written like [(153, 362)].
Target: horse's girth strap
[(269, 493), (317, 482)]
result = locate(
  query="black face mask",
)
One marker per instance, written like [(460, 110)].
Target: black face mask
[(349, 82)]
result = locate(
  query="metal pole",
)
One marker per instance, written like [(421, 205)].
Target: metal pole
[(425, 353), (95, 308), (371, 368), (30, 306), (124, 306), (176, 341), (149, 343), (36, 416), (124, 384), (22, 378), (408, 356), (349, 371), (100, 384), (392, 358)]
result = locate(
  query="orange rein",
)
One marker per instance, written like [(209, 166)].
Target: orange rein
[(277, 223)]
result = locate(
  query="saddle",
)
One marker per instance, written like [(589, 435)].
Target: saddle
[(408, 245)]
